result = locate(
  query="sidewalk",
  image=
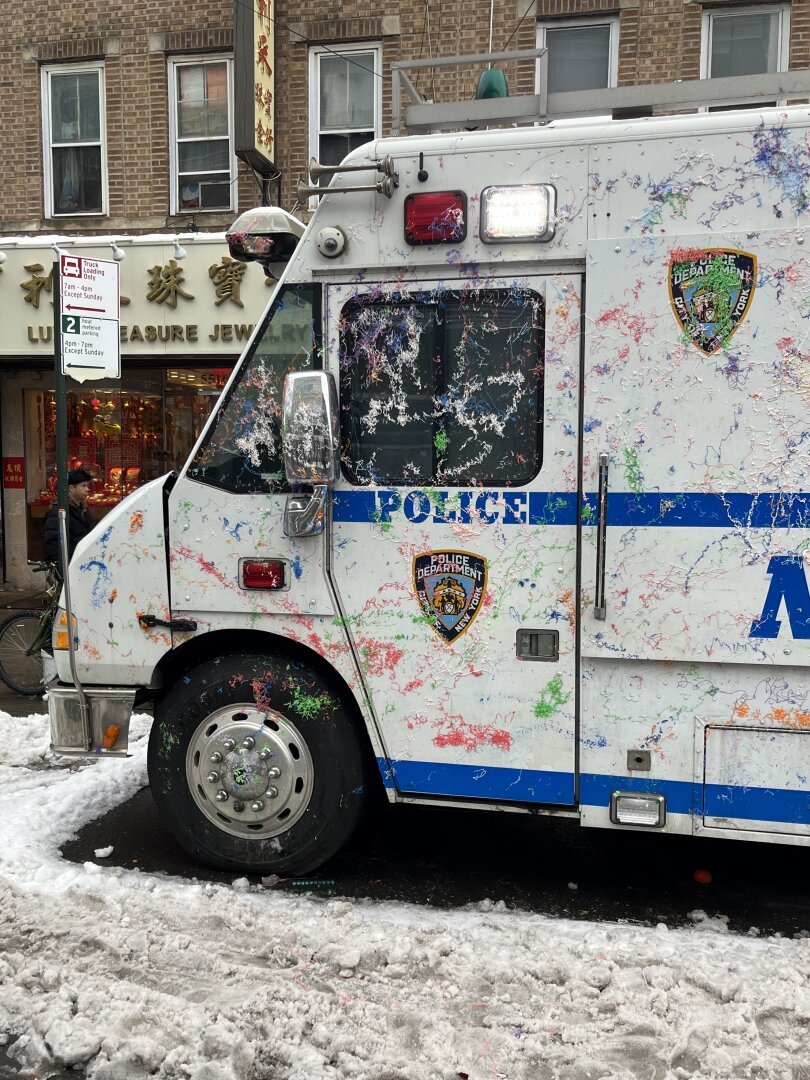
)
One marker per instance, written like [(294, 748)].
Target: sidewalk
[(17, 705), (21, 598)]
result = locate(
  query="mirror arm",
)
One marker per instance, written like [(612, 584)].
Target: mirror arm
[(305, 515)]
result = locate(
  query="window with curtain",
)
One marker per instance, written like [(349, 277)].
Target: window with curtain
[(73, 115), (203, 163), (344, 100), (582, 54)]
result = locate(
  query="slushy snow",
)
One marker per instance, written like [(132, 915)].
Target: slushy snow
[(124, 975)]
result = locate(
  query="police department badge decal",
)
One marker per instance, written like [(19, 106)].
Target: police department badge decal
[(711, 290), (450, 587)]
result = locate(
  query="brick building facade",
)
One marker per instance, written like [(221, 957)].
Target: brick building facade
[(649, 41)]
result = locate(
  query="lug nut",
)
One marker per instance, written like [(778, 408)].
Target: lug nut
[(257, 806), (216, 757), (274, 772), (249, 743), (265, 753), (221, 795), (212, 777), (238, 807), (271, 792), (229, 744)]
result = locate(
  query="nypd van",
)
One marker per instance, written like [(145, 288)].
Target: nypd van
[(505, 505)]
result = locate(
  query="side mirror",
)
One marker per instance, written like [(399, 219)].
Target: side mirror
[(309, 428)]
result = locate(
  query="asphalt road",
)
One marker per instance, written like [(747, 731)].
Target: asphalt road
[(448, 857)]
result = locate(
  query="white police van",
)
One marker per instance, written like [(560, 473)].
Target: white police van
[(505, 505)]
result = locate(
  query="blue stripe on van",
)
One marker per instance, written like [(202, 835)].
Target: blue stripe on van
[(757, 804), (478, 782), (557, 788), (693, 510)]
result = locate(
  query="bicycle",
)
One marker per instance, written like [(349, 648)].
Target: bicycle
[(23, 635)]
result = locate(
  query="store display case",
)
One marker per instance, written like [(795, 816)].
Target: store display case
[(124, 435)]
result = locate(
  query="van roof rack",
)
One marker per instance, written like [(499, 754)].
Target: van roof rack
[(621, 102)]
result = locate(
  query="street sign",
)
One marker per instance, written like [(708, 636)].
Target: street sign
[(89, 316)]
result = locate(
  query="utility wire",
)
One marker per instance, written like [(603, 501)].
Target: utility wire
[(520, 23), (283, 26)]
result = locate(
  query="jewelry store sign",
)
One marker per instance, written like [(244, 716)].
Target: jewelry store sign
[(203, 306), (88, 320)]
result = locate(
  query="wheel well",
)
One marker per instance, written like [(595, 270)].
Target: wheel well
[(198, 650)]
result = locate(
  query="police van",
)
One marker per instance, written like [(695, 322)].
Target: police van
[(505, 505)]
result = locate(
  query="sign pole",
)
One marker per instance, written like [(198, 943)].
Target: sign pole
[(61, 396)]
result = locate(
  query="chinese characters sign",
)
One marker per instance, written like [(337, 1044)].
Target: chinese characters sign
[(254, 83), (206, 302), (13, 472)]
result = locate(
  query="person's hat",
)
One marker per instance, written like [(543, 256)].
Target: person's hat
[(79, 476)]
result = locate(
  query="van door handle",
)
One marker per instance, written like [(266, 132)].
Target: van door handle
[(599, 605)]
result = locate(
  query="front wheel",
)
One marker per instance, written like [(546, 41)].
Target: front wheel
[(256, 766)]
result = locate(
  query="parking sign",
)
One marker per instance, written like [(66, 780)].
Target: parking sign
[(89, 321)]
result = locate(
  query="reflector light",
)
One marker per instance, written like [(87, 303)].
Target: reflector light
[(60, 639), (513, 214), (262, 574), (436, 217), (110, 737), (632, 808)]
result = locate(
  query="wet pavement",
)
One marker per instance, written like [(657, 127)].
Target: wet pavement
[(449, 857)]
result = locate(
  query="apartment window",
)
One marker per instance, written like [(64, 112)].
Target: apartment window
[(201, 129), (745, 41), (344, 101), (73, 130), (582, 53)]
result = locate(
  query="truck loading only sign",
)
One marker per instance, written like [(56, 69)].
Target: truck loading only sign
[(89, 317)]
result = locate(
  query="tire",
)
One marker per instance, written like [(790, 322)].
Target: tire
[(267, 734), (20, 672)]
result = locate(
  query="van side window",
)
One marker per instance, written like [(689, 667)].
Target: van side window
[(242, 449), (442, 387)]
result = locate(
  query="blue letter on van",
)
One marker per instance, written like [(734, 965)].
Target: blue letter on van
[(788, 583)]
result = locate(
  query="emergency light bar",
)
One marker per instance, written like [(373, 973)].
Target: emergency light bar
[(513, 214)]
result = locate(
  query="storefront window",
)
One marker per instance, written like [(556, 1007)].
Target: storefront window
[(124, 433)]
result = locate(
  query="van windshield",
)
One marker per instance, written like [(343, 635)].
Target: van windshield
[(241, 450)]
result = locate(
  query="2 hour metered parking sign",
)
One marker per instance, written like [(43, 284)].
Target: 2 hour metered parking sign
[(89, 318)]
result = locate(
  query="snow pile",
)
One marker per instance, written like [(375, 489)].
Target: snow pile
[(128, 975)]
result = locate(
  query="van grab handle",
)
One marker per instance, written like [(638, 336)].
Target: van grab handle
[(599, 604), (182, 626)]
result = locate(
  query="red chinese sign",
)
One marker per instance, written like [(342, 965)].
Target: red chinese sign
[(13, 472)]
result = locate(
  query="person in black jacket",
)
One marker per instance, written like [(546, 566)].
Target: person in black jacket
[(79, 522)]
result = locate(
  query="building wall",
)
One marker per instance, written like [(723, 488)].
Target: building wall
[(134, 41), (659, 40)]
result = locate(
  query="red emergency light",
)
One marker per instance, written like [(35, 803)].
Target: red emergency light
[(436, 217), (262, 574)]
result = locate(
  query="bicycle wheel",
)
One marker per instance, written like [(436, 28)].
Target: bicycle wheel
[(20, 672)]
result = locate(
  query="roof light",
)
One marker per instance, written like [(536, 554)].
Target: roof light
[(513, 214), (436, 217)]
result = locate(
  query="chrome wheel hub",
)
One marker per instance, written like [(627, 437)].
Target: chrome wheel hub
[(249, 771)]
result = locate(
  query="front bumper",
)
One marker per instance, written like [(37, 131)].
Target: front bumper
[(106, 730)]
